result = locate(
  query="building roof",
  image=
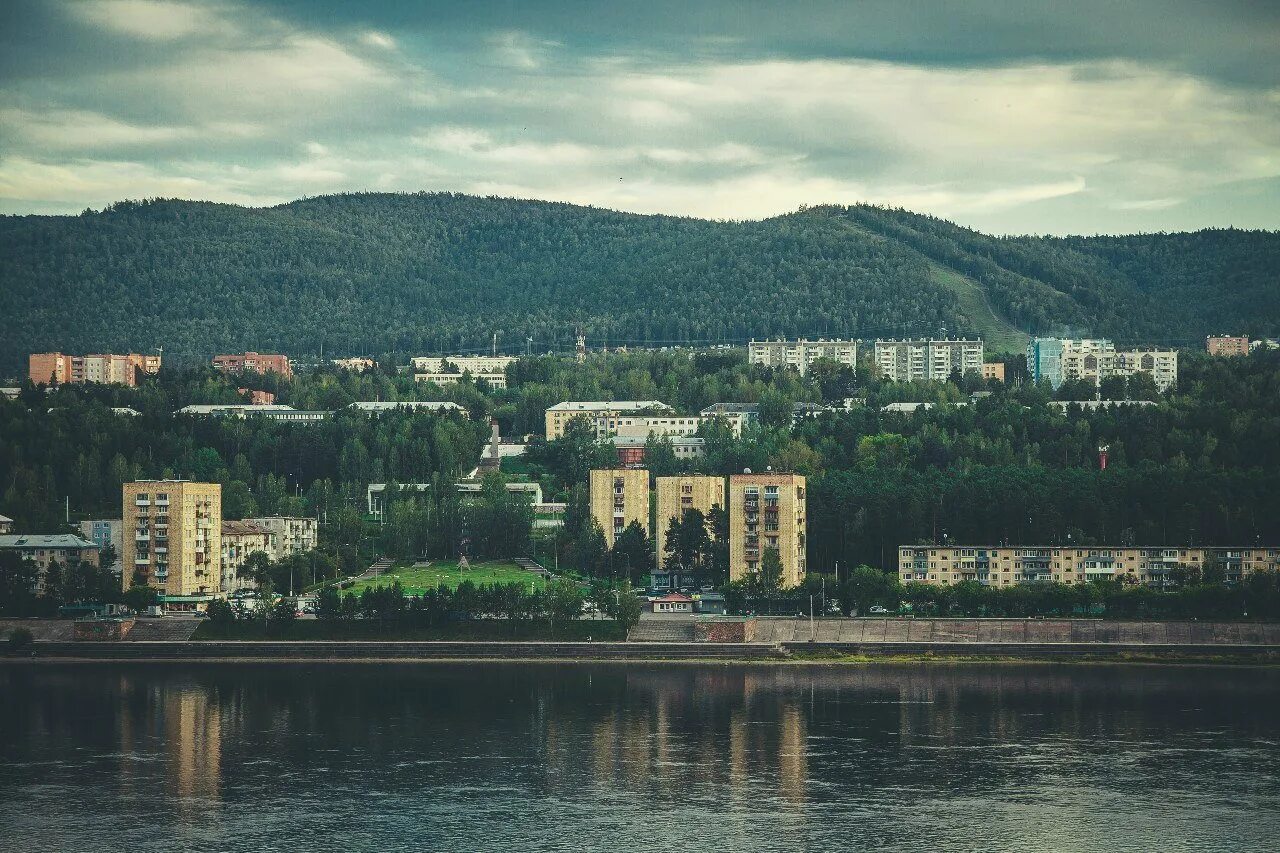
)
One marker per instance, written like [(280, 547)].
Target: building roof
[(609, 406), (242, 528), (674, 596), (246, 408), (43, 540), (388, 405), (5, 518)]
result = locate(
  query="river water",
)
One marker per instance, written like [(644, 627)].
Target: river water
[(617, 757)]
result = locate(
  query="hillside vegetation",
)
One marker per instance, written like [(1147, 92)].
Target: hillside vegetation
[(378, 273)]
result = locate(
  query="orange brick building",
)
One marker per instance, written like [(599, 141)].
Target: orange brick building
[(254, 361)]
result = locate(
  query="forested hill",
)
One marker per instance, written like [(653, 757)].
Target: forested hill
[(373, 273)]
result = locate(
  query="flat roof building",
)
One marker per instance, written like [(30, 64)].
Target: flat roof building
[(173, 536), (1004, 566), (620, 496), (559, 415), (932, 360), (767, 511), (43, 549), (800, 354), (254, 362)]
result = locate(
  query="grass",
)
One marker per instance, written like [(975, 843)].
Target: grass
[(479, 630), (997, 333), (445, 573)]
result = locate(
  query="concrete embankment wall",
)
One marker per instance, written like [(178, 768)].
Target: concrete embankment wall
[(1011, 631), (377, 650)]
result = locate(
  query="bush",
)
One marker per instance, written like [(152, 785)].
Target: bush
[(20, 638), (221, 612)]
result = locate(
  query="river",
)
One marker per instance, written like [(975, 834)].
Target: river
[(618, 757)]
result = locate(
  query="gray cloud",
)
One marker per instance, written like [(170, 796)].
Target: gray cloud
[(1062, 121)]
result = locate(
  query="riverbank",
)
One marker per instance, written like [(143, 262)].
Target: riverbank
[(818, 653)]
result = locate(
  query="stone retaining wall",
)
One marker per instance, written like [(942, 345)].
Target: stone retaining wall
[(877, 630)]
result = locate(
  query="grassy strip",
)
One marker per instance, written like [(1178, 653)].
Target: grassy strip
[(490, 630), (446, 573)]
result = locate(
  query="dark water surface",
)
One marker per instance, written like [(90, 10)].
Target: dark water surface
[(462, 757)]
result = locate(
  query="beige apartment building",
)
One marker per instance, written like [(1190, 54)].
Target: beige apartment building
[(919, 360), (239, 540), (603, 415), (1058, 360), (1161, 364), (173, 536), (800, 354), (675, 495), (289, 535), (103, 368), (620, 496), (1007, 566), (767, 511)]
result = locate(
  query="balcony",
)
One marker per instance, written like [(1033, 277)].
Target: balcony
[(141, 537), (141, 502), (141, 559)]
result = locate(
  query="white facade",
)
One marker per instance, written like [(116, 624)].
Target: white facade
[(474, 364), (919, 360)]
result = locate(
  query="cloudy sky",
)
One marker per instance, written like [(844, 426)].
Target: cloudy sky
[(1081, 117)]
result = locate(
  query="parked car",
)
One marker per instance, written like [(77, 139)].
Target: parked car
[(878, 610)]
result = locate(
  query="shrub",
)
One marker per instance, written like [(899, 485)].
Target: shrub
[(20, 638)]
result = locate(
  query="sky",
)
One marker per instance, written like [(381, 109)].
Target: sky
[(1091, 116)]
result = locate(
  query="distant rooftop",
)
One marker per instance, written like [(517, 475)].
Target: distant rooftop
[(41, 540), (609, 406), (388, 405)]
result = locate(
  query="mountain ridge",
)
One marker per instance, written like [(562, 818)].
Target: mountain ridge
[(382, 272)]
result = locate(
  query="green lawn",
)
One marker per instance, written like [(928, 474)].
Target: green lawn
[(445, 573)]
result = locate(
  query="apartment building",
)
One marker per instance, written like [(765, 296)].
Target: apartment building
[(1057, 360), (103, 532), (105, 368), (767, 511), (602, 414), (993, 370), (43, 549), (473, 364), (920, 360), (739, 416), (800, 354), (1006, 566), (239, 540), (6, 524), (620, 496), (254, 362), (1161, 364), (258, 398), (675, 495), (1227, 345), (289, 535), (173, 536), (631, 449), (493, 380), (355, 364)]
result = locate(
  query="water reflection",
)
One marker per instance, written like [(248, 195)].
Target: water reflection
[(638, 756)]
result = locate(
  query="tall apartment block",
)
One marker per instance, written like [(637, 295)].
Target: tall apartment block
[(767, 511), (1057, 360), (1226, 345), (289, 535), (254, 362), (173, 536), (106, 368), (919, 360), (678, 494), (1007, 566), (602, 414), (801, 353), (620, 496)]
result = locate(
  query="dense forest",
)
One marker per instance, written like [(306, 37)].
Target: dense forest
[(409, 274), (1201, 466)]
